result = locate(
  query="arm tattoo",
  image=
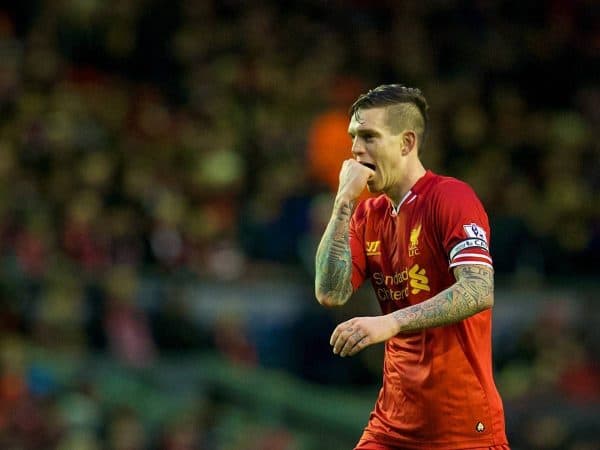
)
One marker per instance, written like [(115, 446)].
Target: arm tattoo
[(334, 258), (472, 293)]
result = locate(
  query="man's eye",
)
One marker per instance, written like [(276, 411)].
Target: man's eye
[(369, 138)]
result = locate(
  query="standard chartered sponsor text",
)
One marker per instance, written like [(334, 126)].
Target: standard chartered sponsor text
[(396, 287), (385, 283)]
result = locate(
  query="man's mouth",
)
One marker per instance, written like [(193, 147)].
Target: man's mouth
[(369, 165)]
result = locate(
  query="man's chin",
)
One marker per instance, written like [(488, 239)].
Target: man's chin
[(372, 188)]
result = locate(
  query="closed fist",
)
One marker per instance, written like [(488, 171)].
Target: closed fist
[(353, 179)]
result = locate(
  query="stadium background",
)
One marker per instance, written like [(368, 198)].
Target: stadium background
[(166, 171)]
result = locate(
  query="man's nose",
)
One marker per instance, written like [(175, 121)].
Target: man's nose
[(357, 148)]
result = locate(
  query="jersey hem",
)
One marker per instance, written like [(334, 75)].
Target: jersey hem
[(415, 445)]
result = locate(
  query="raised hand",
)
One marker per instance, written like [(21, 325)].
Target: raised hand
[(353, 179)]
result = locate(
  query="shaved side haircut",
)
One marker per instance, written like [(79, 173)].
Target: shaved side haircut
[(406, 108)]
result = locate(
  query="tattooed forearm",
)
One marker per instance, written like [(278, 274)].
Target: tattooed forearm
[(473, 292), (334, 260)]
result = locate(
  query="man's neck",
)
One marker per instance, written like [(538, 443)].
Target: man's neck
[(399, 191)]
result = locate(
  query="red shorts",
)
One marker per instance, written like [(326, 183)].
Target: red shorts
[(369, 444)]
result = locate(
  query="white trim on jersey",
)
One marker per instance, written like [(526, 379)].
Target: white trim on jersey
[(465, 255), (396, 210), (462, 263)]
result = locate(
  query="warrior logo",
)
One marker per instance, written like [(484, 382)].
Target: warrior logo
[(372, 248)]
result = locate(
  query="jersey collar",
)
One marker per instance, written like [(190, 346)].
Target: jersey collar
[(413, 192), (421, 182)]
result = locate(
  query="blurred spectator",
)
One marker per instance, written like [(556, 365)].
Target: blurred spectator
[(125, 430), (127, 325)]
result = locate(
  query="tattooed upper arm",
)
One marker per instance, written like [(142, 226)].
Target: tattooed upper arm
[(478, 282)]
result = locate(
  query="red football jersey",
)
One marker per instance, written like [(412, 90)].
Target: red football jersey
[(438, 387)]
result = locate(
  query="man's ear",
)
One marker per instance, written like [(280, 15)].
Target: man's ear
[(409, 142)]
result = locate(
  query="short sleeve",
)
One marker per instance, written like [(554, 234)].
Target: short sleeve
[(357, 233), (463, 225)]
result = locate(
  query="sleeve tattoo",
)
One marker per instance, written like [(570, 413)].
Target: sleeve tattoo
[(334, 259), (473, 292)]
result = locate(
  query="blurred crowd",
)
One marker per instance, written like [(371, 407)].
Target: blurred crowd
[(143, 142)]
